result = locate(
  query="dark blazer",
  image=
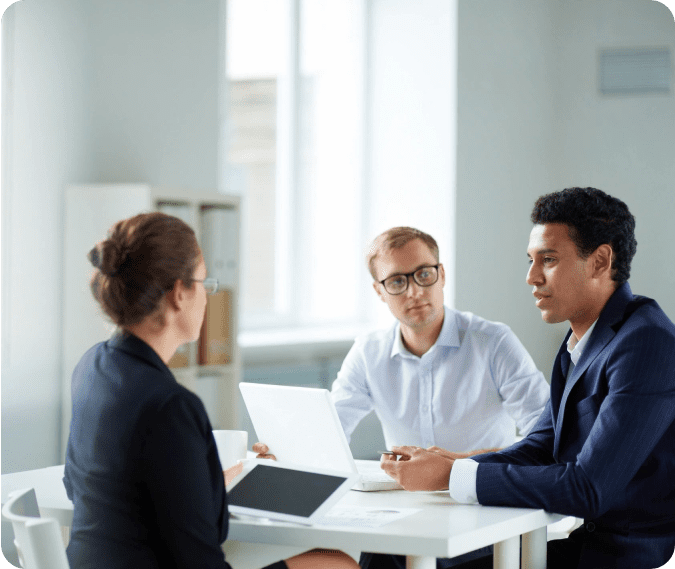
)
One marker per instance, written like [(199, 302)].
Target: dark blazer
[(142, 467), (604, 447)]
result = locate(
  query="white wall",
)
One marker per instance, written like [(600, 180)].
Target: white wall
[(94, 91), (531, 121), (45, 137)]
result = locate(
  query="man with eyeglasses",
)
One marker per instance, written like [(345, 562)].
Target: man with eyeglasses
[(438, 377)]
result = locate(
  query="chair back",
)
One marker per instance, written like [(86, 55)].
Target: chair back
[(38, 540)]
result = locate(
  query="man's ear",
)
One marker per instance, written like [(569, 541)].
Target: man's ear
[(602, 260), (441, 274), (377, 288)]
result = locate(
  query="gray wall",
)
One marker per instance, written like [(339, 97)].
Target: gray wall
[(154, 92), (530, 121)]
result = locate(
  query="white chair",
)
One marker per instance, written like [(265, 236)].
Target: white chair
[(563, 528), (38, 541)]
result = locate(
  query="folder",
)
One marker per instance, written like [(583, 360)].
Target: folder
[(181, 358), (220, 243), (215, 341)]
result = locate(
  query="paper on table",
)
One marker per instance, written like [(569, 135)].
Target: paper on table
[(354, 516)]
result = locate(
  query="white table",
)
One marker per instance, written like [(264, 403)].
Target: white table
[(441, 529)]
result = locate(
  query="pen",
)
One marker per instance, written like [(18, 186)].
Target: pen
[(386, 452)]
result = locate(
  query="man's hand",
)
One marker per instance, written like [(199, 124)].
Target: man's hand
[(263, 451), (456, 455), (448, 454), (418, 469)]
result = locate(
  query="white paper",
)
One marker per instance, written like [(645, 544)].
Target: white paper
[(354, 516)]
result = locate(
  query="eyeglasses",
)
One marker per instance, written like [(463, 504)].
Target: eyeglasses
[(424, 276), (210, 284)]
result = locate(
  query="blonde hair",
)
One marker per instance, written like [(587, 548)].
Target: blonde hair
[(396, 238)]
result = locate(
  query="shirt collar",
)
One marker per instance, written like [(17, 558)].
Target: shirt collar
[(575, 347), (449, 335)]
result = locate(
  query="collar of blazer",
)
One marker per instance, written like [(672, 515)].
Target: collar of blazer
[(613, 313), (137, 348)]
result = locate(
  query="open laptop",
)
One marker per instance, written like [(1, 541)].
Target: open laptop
[(300, 425), (279, 491)]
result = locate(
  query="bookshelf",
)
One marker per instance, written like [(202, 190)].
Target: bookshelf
[(211, 367)]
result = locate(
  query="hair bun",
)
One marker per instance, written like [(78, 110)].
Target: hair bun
[(108, 257)]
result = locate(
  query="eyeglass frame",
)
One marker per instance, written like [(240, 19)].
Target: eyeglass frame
[(208, 281), (407, 278)]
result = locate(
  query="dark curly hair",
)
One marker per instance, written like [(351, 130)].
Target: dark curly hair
[(594, 218)]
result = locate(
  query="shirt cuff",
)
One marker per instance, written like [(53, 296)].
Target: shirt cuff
[(463, 481)]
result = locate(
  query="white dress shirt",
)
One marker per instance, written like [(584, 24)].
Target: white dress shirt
[(462, 485), (469, 391)]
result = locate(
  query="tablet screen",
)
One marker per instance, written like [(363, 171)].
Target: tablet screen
[(282, 490)]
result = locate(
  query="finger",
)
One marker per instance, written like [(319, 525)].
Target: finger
[(267, 456), (388, 457), (404, 450), (390, 467), (260, 448)]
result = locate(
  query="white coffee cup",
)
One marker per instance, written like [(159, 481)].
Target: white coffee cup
[(231, 446)]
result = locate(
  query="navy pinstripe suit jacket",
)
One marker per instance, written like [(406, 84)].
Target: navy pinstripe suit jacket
[(604, 447)]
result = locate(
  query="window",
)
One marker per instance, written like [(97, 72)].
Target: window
[(294, 152)]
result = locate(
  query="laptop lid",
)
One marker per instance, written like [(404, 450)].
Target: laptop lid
[(286, 492), (299, 424)]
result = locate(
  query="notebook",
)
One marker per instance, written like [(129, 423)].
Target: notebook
[(300, 425), (279, 491)]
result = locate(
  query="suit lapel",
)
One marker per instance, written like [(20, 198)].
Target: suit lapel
[(602, 334)]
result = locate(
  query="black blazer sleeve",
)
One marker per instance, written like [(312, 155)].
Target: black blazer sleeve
[(185, 482)]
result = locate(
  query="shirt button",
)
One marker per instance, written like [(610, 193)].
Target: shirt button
[(590, 527)]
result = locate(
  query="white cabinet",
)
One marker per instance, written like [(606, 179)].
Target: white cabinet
[(211, 367)]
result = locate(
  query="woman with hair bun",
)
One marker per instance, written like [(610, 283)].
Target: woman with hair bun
[(142, 467)]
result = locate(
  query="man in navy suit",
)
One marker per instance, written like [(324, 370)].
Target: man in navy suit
[(604, 447)]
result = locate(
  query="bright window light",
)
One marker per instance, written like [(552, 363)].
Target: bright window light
[(295, 116)]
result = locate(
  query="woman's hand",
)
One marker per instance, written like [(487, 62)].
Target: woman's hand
[(263, 451), (231, 472)]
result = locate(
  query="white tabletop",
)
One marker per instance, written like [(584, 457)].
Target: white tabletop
[(441, 529)]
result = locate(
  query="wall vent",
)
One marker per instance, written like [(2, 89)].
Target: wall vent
[(635, 71)]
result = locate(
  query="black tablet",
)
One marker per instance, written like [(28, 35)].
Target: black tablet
[(279, 491)]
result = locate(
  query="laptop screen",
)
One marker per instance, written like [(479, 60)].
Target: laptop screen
[(299, 424), (283, 491)]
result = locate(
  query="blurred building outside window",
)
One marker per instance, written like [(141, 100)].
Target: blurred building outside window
[(295, 139)]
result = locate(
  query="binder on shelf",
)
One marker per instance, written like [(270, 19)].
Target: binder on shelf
[(181, 358), (215, 341), (179, 210), (219, 244)]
